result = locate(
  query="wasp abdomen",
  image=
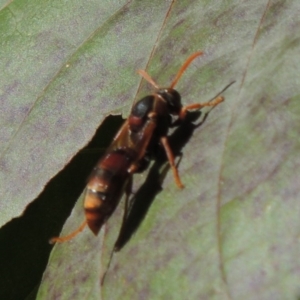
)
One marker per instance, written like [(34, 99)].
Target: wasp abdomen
[(105, 188)]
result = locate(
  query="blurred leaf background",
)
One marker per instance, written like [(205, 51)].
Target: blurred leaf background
[(233, 232)]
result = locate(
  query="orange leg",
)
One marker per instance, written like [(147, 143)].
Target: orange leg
[(143, 143), (128, 192), (133, 168), (69, 236), (214, 102), (170, 156)]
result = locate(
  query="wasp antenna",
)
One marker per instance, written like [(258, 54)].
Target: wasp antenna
[(184, 67), (67, 237), (147, 77)]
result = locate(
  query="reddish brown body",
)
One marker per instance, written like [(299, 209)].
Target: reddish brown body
[(132, 149)]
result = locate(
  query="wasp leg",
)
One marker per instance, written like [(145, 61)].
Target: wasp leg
[(128, 191), (213, 102), (68, 237), (165, 143), (143, 143), (147, 134)]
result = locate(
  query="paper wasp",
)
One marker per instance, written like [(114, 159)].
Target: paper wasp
[(132, 148)]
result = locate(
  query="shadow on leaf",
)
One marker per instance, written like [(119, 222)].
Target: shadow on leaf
[(142, 200), (24, 240), (144, 197)]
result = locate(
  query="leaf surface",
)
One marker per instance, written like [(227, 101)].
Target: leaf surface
[(232, 233)]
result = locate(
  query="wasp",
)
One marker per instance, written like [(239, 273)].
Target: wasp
[(133, 148)]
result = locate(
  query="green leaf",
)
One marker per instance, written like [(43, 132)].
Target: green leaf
[(232, 233)]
